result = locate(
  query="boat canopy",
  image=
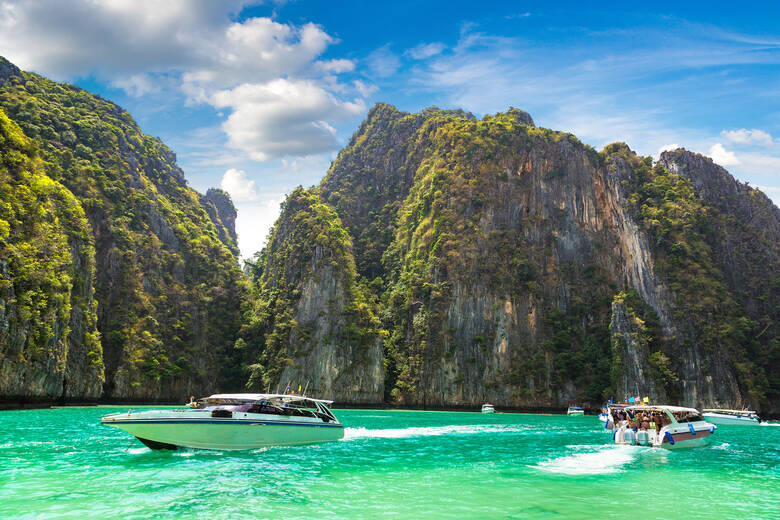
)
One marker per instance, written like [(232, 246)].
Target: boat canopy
[(662, 407), (266, 397)]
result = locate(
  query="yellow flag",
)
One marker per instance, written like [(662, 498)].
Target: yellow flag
[(299, 389)]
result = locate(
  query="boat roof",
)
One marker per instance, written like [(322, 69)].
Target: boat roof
[(575, 408), (265, 397), (664, 406), (720, 410)]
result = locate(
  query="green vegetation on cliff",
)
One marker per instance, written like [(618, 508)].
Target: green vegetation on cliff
[(46, 270), (169, 289), (308, 260), (683, 226), (457, 232)]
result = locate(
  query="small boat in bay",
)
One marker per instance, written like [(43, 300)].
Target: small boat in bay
[(233, 422), (488, 408), (732, 417), (575, 410), (661, 426)]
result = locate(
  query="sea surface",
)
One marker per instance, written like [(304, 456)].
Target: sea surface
[(61, 463)]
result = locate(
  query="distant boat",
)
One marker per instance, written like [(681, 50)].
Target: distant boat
[(731, 417), (575, 410), (680, 427), (488, 408), (233, 422)]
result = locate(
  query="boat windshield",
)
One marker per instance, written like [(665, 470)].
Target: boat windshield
[(273, 405)]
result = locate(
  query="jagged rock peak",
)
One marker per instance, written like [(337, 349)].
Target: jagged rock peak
[(521, 117), (8, 69), (618, 148), (222, 213), (711, 180)]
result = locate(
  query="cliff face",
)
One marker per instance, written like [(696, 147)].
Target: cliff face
[(515, 265), (313, 325), (49, 344), (744, 238), (166, 279)]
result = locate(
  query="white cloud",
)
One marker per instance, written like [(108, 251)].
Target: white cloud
[(283, 97), (138, 84), (240, 187), (363, 89), (666, 148), (283, 117), (722, 156), (383, 62), (748, 137), (112, 39), (255, 220), (759, 164), (426, 50), (773, 192)]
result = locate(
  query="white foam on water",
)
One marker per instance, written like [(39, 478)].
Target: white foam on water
[(609, 459), (137, 451), (723, 446), (768, 424), (401, 433)]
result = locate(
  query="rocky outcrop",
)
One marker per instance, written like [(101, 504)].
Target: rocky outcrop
[(314, 326), (372, 175), (744, 237), (330, 363), (223, 214)]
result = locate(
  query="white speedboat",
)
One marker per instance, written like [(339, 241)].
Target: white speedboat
[(575, 410), (663, 426), (488, 408), (233, 422), (746, 417)]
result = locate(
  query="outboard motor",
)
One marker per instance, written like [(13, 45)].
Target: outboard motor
[(630, 436), (643, 438)]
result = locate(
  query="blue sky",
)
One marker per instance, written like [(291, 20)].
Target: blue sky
[(258, 98)]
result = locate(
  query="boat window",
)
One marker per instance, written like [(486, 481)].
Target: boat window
[(689, 417)]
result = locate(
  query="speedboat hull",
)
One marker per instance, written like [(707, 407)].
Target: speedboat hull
[(213, 433), (671, 438), (687, 439), (721, 419)]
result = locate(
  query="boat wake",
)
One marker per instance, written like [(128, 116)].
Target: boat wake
[(609, 459), (401, 433), (769, 424)]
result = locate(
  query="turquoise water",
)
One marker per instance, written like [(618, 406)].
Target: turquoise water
[(61, 463)]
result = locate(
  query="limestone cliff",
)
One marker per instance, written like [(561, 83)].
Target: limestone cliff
[(49, 344), (313, 325), (165, 275), (514, 264)]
